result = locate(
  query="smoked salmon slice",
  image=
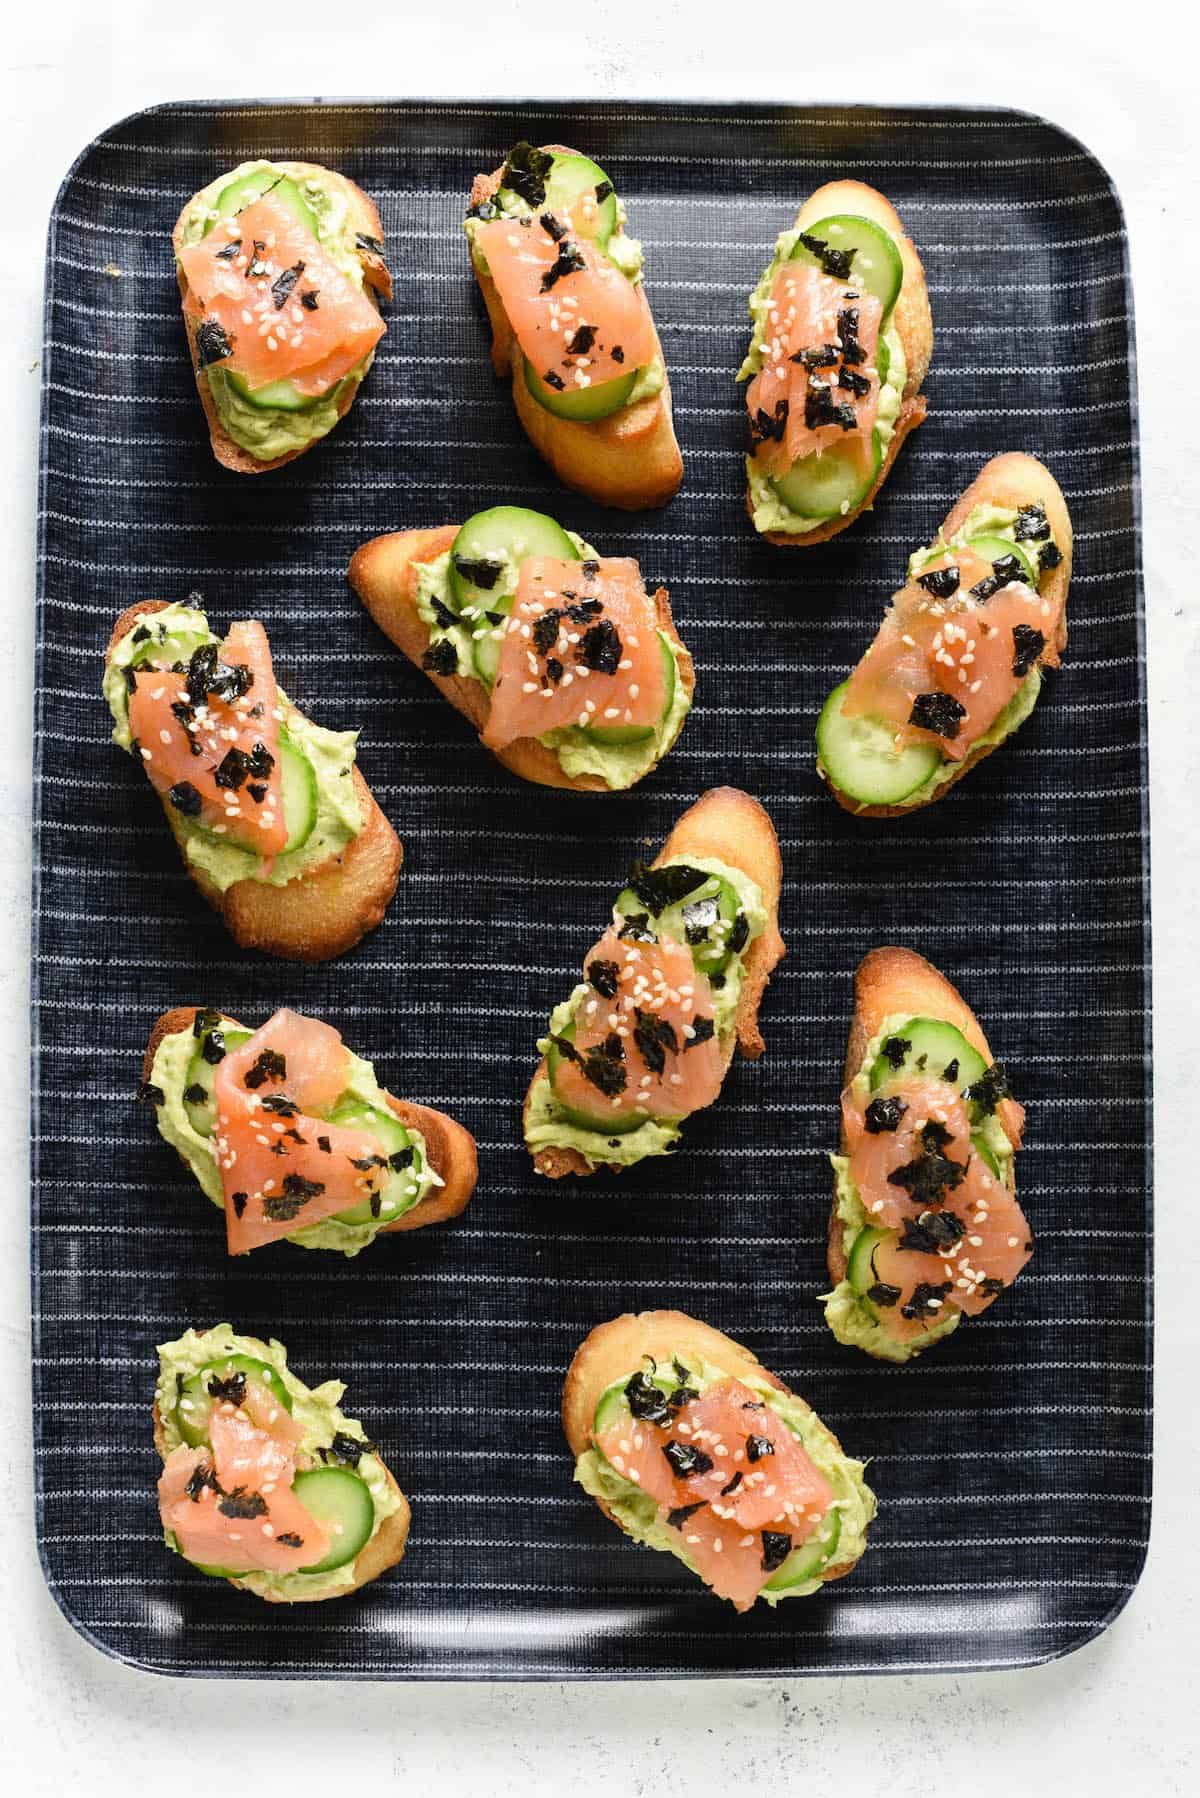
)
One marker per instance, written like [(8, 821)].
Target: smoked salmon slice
[(267, 303), (581, 648), (819, 382)]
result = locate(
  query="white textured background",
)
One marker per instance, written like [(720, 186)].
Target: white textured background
[(1120, 1716)]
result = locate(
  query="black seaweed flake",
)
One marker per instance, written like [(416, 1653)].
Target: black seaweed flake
[(895, 1049), (950, 1071), (553, 379), (140, 635), (938, 712), (212, 1049), (679, 1516), (399, 1159), (347, 1449), (443, 617), (483, 209), (257, 267), (636, 928), (290, 1539), (1031, 524), (776, 1547), (582, 339), (545, 632), (991, 1286), (230, 251), (733, 1485), (822, 355), (583, 611), (884, 1295), (208, 676), (481, 571), (205, 1019), (1028, 645), (366, 242), (933, 1232), (185, 799), (699, 918), (925, 1300), (569, 260), (769, 427), (308, 300), (524, 172), (203, 1477), (617, 353), (739, 936), (604, 976), (281, 288), (440, 658), (1049, 556), (759, 1447), (213, 343), (833, 262), (591, 569), (239, 1203), (941, 582), (324, 1145), (603, 190), (149, 1094), (280, 1105), (820, 408), (929, 1178), (551, 226), (658, 888), (237, 766), (989, 1089), (194, 1095), (365, 1163), (654, 1037), (228, 1390), (884, 1114), (854, 382), (270, 1065), (687, 1461), (1005, 570), (554, 670), (600, 649), (242, 1504), (647, 1401), (702, 1031)]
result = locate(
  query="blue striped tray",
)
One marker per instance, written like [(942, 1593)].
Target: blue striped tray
[(1012, 1465)]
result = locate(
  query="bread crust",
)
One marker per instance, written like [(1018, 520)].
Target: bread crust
[(383, 573), (320, 914), (731, 826), (384, 1550), (913, 322), (451, 1148), (365, 218), (616, 1348), (1012, 479), (630, 459), (889, 982)]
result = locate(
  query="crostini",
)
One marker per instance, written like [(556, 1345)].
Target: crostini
[(841, 344), (671, 989), (572, 673), (275, 823), (925, 1225), (572, 327), (688, 1444), (291, 1134), (281, 271), (957, 663), (265, 1482)]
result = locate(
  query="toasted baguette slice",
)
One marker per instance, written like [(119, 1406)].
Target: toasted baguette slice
[(364, 219), (914, 324), (892, 982), (1013, 479), (630, 459), (384, 1550), (730, 826), (451, 1149), (615, 1349), (384, 575), (322, 913)]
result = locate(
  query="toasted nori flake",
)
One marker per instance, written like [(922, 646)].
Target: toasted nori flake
[(754, 1404), (524, 172), (545, 632), (278, 1148), (702, 1030), (582, 339), (716, 981), (758, 1447), (856, 383), (929, 1178), (991, 1286), (884, 1114), (895, 1049), (582, 611), (1031, 524), (130, 673), (141, 635), (239, 1203), (819, 405), (233, 768), (679, 1516), (605, 1069), (205, 1019), (481, 571), (884, 1295), (918, 1304), (935, 1135), (553, 379), (686, 1460), (399, 1159), (297, 1187), (600, 649), (281, 1209), (989, 1089), (483, 209), (591, 569), (494, 617), (617, 353), (569, 261), (364, 1163), (194, 1095), (1028, 645), (939, 712), (647, 1401), (290, 1539), (554, 670), (324, 1145), (950, 1071), (281, 1105), (833, 262), (242, 1504), (230, 1390), (604, 976), (769, 427), (257, 792), (824, 355), (776, 1547), (603, 189), (733, 1485), (440, 658), (206, 674), (230, 251), (347, 1449), (149, 1094), (551, 226), (657, 888), (1049, 556), (212, 1049), (271, 1065), (654, 1036), (941, 582), (443, 617), (213, 343), (739, 936), (308, 299), (186, 716), (281, 288), (1005, 570), (202, 1477), (932, 1232), (366, 242), (636, 928), (699, 918), (375, 1202), (185, 799)]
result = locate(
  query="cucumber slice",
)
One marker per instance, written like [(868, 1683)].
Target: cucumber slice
[(641, 733), (606, 1122), (299, 783), (393, 1138), (502, 536), (572, 178), (239, 194), (875, 265), (934, 1047), (829, 484), (859, 755), (582, 403), (195, 1401), (808, 1561), (200, 1108), (341, 1500), (991, 549), (486, 648), (280, 396)]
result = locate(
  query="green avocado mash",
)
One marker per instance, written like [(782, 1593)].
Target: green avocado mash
[(849, 1315), (545, 1125), (314, 1409), (637, 1512), (266, 432), (618, 765), (403, 1190), (177, 631)]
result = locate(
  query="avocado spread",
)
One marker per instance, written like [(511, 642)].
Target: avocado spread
[(315, 1410), (546, 1126), (176, 632), (637, 1512), (266, 432), (403, 1190), (618, 765), (849, 1314)]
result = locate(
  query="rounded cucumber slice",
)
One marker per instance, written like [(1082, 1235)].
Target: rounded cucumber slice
[(641, 733), (195, 1398), (281, 396), (299, 783), (571, 179), (982, 1148), (342, 1501), (583, 403), (393, 1138), (811, 1558), (875, 264), (935, 1048), (859, 755), (239, 194), (603, 1121), (830, 484), (486, 556), (486, 640), (991, 549), (200, 1109)]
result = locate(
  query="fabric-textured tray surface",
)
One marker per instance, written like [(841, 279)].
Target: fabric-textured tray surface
[(1012, 1463)]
